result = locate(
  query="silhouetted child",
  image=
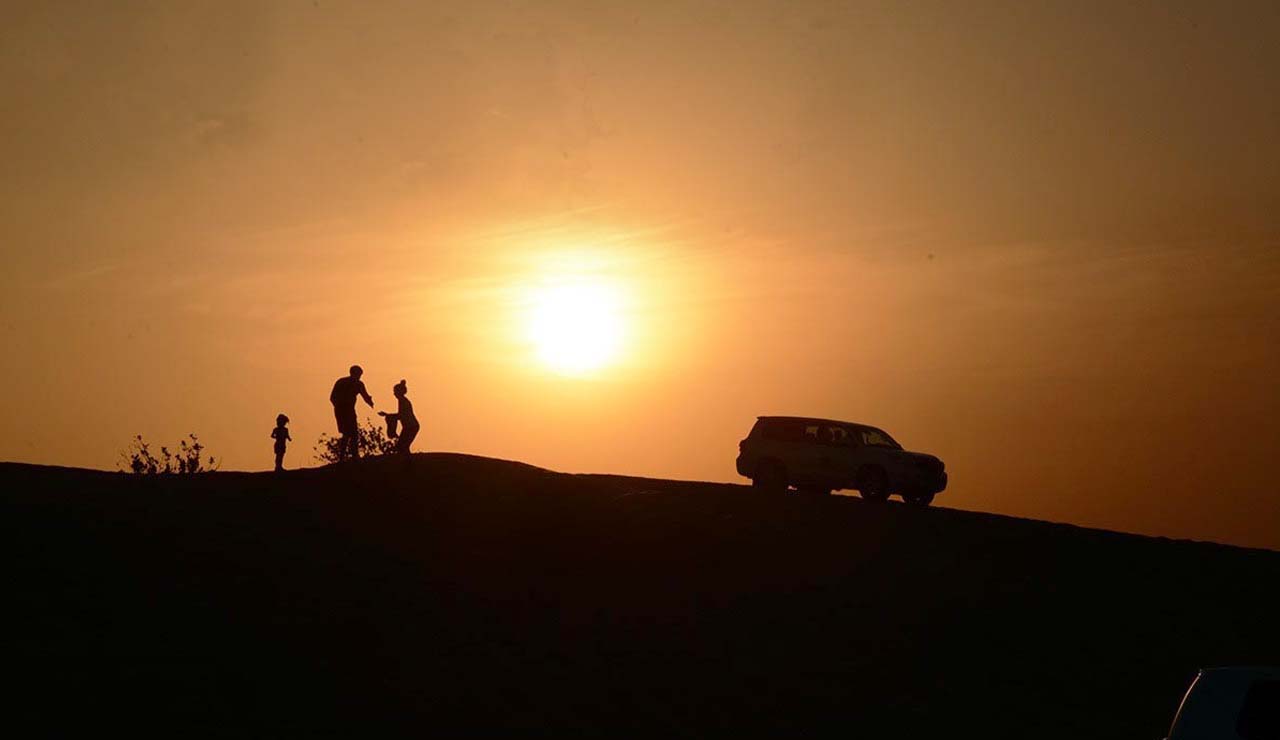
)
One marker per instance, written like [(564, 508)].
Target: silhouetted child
[(281, 435), (404, 416)]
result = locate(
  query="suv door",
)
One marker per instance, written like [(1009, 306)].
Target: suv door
[(835, 453), (823, 460), (806, 464), (848, 456)]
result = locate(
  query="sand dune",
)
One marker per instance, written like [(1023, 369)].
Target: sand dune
[(455, 593)]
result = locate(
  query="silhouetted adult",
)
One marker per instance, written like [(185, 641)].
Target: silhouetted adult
[(343, 398), (404, 417)]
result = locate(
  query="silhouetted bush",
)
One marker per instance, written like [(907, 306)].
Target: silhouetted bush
[(138, 458), (373, 440)]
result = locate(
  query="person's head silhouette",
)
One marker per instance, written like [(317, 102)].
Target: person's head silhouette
[(400, 389), (356, 371), (281, 420)]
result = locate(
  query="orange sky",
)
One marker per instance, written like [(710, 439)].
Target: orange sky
[(1038, 240)]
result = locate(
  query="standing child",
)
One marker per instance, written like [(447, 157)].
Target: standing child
[(281, 436), (404, 417)]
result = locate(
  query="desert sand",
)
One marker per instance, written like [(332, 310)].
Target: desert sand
[(450, 594)]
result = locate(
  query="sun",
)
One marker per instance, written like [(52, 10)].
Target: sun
[(576, 327)]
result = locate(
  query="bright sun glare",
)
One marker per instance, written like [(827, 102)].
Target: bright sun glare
[(576, 328)]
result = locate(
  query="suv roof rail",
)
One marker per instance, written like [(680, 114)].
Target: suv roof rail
[(816, 420)]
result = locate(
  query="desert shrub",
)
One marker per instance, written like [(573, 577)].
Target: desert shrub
[(138, 458), (372, 440)]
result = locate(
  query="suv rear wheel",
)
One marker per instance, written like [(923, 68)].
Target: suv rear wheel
[(873, 485), (770, 477)]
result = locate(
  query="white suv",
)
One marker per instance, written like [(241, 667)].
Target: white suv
[(818, 455)]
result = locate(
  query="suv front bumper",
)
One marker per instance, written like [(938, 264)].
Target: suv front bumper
[(928, 483)]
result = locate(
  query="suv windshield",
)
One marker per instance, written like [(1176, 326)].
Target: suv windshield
[(877, 438)]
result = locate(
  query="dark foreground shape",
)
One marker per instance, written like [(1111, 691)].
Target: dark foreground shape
[(460, 593)]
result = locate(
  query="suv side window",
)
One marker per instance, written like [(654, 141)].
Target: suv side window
[(839, 436), (782, 431), (872, 437)]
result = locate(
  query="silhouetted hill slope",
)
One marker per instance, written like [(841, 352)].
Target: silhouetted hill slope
[(460, 592)]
